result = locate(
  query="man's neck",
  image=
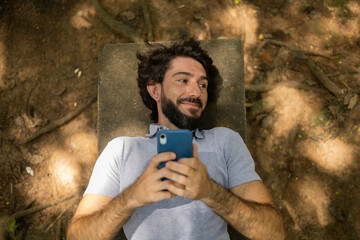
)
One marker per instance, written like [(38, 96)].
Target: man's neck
[(165, 122)]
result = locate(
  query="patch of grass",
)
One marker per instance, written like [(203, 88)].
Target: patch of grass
[(322, 118)]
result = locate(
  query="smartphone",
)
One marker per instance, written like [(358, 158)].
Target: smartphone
[(177, 141)]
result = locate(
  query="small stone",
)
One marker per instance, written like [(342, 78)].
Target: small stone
[(315, 15), (268, 35), (19, 121), (337, 212), (30, 171), (267, 121)]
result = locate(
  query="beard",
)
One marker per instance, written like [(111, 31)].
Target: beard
[(176, 117)]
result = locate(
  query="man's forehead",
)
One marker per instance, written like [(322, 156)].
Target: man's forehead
[(185, 64)]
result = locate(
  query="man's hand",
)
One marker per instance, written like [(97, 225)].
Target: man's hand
[(148, 188), (189, 177)]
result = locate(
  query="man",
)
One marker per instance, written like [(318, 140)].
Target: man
[(218, 185)]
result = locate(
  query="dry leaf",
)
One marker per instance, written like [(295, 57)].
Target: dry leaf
[(266, 57), (353, 101)]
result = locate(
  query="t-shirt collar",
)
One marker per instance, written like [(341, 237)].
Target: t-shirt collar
[(154, 128)]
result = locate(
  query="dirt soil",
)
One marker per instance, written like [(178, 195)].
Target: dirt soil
[(304, 139)]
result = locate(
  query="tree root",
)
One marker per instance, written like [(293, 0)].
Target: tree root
[(324, 79), (58, 122), (293, 48), (296, 49), (345, 72), (117, 26), (146, 12)]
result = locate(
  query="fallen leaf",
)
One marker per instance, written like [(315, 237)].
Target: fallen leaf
[(266, 57), (352, 101)]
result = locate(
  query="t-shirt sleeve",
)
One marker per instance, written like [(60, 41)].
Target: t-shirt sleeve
[(105, 178), (240, 164)]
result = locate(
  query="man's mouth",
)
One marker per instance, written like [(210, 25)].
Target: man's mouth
[(191, 102)]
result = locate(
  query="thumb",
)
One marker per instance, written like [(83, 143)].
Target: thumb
[(195, 151)]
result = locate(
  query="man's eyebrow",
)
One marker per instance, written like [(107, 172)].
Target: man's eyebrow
[(189, 74), (183, 73)]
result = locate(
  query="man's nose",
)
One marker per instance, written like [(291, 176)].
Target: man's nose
[(194, 90)]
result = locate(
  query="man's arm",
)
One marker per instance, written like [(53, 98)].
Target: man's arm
[(249, 207), (101, 217)]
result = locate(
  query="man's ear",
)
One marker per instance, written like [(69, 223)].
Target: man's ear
[(154, 89)]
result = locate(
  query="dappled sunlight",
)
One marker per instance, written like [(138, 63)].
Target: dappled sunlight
[(313, 194), (332, 155), (65, 171), (241, 20), (308, 202), (2, 64), (293, 107), (81, 17), (83, 145)]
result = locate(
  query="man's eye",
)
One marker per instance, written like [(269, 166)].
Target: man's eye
[(182, 80), (203, 85)]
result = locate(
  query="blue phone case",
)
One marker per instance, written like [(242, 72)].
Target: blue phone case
[(177, 141)]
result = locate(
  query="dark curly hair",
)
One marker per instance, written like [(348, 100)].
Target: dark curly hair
[(156, 61)]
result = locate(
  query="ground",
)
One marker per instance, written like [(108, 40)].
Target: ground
[(304, 140)]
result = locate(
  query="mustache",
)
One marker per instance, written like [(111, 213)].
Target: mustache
[(190, 99)]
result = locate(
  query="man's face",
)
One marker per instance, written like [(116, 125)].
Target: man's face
[(184, 92)]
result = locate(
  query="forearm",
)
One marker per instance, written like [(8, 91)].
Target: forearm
[(102, 224), (254, 220)]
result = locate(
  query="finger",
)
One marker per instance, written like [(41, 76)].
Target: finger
[(178, 191), (176, 177), (190, 162), (161, 157), (179, 167), (178, 185), (162, 195)]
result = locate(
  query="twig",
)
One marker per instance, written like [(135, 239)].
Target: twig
[(261, 45), (117, 26), (53, 222), (291, 84), (32, 210), (147, 20), (324, 79), (276, 59), (294, 48), (58, 122), (348, 71)]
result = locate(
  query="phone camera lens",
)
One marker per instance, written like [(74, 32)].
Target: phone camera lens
[(162, 136)]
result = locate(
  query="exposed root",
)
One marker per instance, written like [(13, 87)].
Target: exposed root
[(58, 122)]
